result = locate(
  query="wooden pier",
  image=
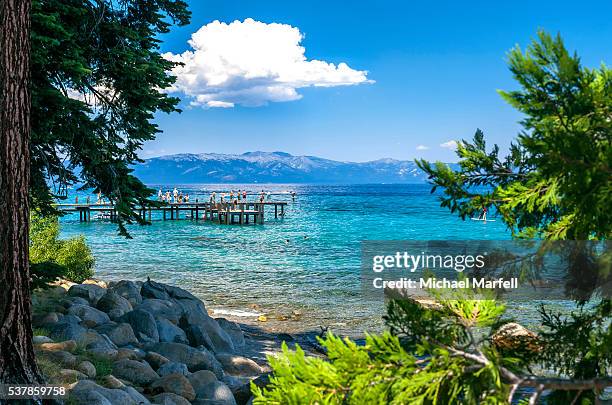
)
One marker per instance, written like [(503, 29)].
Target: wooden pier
[(222, 213)]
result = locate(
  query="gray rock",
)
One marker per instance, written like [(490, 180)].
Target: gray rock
[(168, 398), (152, 289), (121, 334), (130, 353), (194, 313), (110, 381), (172, 368), (128, 290), (161, 309), (218, 392), (114, 302), (46, 320), (233, 330), (169, 332), (240, 387), (100, 345), (238, 365), (70, 301), (89, 314), (136, 396), (194, 359), (174, 304), (156, 360), (91, 292), (87, 390), (87, 368), (68, 331), (176, 384), (201, 378), (68, 374), (63, 357), (41, 339), (88, 398), (134, 371), (70, 319), (143, 324), (115, 314), (197, 336)]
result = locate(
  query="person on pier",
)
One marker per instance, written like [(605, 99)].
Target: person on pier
[(175, 194)]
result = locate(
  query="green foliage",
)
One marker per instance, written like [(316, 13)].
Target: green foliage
[(555, 183), (52, 257), (97, 80), (407, 365)]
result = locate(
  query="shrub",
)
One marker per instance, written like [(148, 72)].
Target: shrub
[(52, 257)]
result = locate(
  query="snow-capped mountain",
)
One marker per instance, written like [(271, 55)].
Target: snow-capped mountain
[(272, 167)]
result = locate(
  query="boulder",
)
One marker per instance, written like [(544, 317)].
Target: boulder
[(87, 368), (91, 292), (100, 345), (101, 283), (64, 358), (240, 387), (121, 334), (128, 290), (46, 320), (197, 336), (129, 353), (67, 345), (68, 374), (88, 392), (137, 372), (194, 313), (168, 398), (233, 330), (238, 365), (152, 289), (194, 359), (70, 301), (143, 324), (182, 307), (175, 383), (201, 378), (215, 391), (88, 314), (115, 303), (37, 340), (88, 398), (513, 336), (169, 332), (136, 396), (161, 309), (156, 360), (172, 368), (110, 381), (68, 331)]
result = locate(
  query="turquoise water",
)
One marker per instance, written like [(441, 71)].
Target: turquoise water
[(308, 261)]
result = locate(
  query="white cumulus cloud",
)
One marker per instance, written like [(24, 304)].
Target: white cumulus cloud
[(252, 63), (422, 147), (449, 145)]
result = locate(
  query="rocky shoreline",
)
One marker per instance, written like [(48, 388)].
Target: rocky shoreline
[(132, 342)]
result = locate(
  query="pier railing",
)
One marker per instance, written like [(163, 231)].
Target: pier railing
[(222, 213)]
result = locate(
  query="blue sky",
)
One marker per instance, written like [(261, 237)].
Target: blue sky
[(432, 74)]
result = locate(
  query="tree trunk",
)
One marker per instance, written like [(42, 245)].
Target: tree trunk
[(17, 362)]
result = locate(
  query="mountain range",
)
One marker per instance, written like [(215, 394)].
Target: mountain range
[(272, 167)]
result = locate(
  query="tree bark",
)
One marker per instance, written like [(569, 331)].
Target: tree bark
[(17, 362)]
